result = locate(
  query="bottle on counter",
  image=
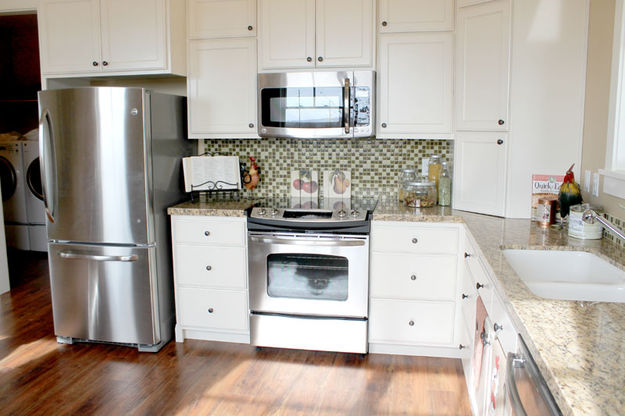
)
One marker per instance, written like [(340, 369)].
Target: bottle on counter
[(444, 186), (434, 169), (405, 176)]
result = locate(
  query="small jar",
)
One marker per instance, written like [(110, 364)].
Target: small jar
[(444, 187), (578, 228), (405, 176), (546, 211), (420, 194), (434, 169)]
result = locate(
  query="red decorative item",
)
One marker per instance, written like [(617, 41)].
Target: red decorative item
[(251, 176)]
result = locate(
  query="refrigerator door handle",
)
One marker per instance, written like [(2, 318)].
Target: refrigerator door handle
[(45, 148), (96, 257)]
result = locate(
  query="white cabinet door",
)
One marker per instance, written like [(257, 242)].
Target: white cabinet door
[(221, 87), (133, 34), (415, 85), (69, 34), (287, 34), (415, 15), (344, 33), (221, 18), (482, 66), (480, 172)]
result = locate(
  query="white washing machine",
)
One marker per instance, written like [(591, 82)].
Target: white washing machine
[(14, 195), (35, 210)]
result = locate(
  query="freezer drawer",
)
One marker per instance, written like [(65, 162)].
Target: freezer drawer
[(104, 293)]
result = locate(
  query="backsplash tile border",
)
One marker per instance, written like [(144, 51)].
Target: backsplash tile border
[(620, 224)]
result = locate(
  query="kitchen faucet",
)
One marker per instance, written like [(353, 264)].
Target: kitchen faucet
[(590, 216)]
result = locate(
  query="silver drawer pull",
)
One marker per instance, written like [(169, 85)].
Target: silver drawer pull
[(209, 268), (413, 277), (211, 310), (415, 241), (411, 323), (96, 257), (207, 233)]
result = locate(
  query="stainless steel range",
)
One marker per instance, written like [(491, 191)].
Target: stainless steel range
[(309, 274)]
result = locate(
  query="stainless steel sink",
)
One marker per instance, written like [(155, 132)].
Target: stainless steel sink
[(568, 275)]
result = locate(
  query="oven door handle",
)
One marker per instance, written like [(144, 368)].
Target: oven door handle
[(302, 242)]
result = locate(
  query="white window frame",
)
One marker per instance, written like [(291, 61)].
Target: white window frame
[(614, 172)]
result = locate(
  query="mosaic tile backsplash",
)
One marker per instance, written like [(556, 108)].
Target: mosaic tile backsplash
[(620, 224), (374, 163)]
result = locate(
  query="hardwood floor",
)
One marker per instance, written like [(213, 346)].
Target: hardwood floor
[(39, 376)]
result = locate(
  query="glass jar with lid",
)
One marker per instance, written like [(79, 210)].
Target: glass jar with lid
[(420, 193), (434, 169), (405, 176)]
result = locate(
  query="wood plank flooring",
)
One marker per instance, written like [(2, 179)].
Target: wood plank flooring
[(40, 377)]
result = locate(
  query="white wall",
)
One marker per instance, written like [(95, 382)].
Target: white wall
[(18, 5), (548, 73)]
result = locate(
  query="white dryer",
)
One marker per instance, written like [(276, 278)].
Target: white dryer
[(35, 210), (14, 195)]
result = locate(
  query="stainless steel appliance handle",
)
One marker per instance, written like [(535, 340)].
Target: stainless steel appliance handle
[(300, 242), (346, 103), (515, 398), (96, 257), (45, 149)]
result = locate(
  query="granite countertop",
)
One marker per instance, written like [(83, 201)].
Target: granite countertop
[(579, 347), (213, 207)]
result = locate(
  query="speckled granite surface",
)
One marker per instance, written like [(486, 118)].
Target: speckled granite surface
[(217, 208), (580, 348)]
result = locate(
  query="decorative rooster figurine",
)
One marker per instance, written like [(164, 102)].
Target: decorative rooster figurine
[(251, 177), (570, 193)]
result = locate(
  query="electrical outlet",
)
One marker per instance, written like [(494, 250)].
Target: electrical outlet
[(425, 166), (595, 184), (587, 180)]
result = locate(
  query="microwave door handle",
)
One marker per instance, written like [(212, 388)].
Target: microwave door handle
[(346, 105)]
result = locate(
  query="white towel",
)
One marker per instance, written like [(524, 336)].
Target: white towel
[(211, 173)]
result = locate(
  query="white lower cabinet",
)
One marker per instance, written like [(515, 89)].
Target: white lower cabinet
[(415, 290), (210, 278)]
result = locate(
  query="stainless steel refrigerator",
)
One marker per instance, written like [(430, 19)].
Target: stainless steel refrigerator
[(110, 162)]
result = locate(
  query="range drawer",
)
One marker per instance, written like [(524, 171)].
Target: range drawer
[(411, 322), (213, 309), (401, 276), (208, 266), (209, 230), (414, 239)]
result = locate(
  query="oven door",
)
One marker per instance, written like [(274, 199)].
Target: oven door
[(325, 104), (309, 274)]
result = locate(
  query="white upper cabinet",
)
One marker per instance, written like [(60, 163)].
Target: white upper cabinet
[(221, 88), (87, 37), (415, 15), (482, 67), (297, 34), (480, 169), (69, 36), (415, 85), (221, 18)]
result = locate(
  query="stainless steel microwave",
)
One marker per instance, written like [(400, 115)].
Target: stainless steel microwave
[(320, 104)]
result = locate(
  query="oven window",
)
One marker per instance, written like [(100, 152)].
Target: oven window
[(318, 107), (307, 276)]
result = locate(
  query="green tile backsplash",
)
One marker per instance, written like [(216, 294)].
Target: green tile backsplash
[(374, 163)]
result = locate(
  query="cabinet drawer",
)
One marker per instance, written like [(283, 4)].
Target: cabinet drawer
[(401, 276), (481, 280), (414, 239), (214, 309), (411, 322), (209, 266), (507, 334), (210, 230)]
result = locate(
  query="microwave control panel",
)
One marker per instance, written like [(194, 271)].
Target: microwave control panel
[(362, 106)]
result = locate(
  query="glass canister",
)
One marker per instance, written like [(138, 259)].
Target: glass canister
[(420, 193), (444, 187), (405, 176), (434, 169)]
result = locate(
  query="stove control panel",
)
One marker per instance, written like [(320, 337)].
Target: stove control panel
[(308, 215)]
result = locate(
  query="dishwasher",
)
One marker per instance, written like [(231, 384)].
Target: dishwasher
[(527, 390)]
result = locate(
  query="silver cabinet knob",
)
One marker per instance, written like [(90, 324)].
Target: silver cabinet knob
[(211, 310), (250, 27), (501, 122), (478, 285), (497, 327), (464, 296), (385, 23), (251, 125), (461, 347), (309, 59), (104, 63), (500, 142), (209, 268), (207, 233), (415, 241), (411, 323), (466, 255), (95, 63), (320, 59), (383, 125), (413, 277)]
